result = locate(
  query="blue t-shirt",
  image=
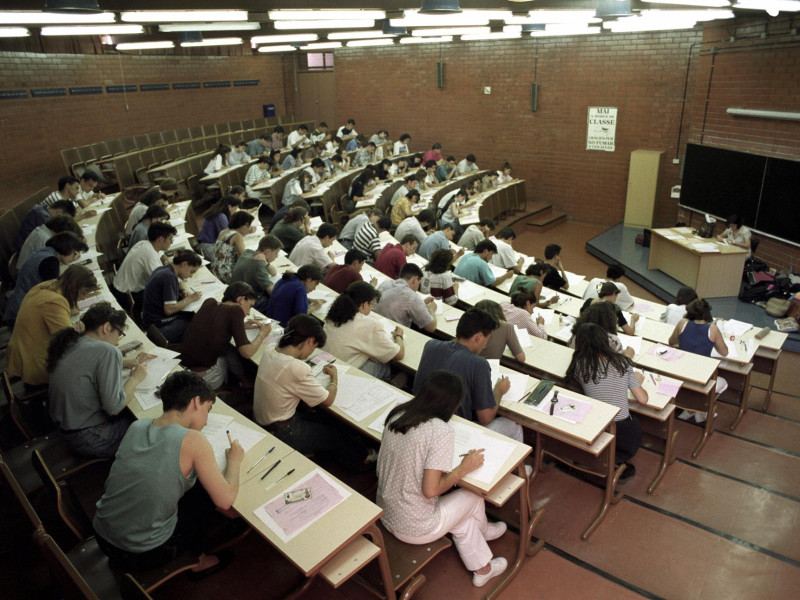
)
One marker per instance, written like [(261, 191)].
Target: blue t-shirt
[(473, 369), (161, 289), (694, 338), (35, 217), (474, 268), (211, 229), (289, 298), (432, 243)]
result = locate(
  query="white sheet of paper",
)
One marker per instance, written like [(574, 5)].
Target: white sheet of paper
[(147, 399), (379, 424), (519, 386), (632, 341), (215, 433), (246, 436), (494, 366), (157, 369), (468, 290), (734, 327), (360, 397), (546, 313), (524, 337), (495, 451), (565, 334)]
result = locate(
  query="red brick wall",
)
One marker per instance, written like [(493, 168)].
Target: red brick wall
[(34, 130), (642, 75)]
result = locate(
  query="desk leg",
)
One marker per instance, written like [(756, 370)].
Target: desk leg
[(296, 593), (709, 428), (609, 497), (383, 562), (526, 527), (768, 397), (669, 457), (744, 399)]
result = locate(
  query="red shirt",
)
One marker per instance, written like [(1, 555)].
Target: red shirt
[(432, 155), (391, 260), (339, 277)]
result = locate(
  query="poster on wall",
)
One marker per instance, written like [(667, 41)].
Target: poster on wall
[(601, 128)]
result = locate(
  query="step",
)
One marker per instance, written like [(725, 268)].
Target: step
[(546, 219)]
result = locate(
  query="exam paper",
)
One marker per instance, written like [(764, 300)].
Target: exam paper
[(631, 341), (468, 290), (546, 313), (215, 433), (495, 451), (157, 369), (523, 337), (360, 397), (519, 387), (379, 424), (147, 399)]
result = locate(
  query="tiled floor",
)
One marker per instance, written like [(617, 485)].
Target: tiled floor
[(723, 526)]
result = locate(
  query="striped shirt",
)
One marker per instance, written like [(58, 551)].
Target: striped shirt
[(366, 239), (53, 198), (256, 173), (611, 388), (439, 285), (522, 319)]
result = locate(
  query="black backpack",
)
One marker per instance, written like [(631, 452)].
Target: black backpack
[(754, 292)]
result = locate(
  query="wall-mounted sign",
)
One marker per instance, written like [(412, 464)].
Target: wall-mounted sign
[(601, 128)]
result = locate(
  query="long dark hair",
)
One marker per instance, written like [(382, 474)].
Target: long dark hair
[(75, 281), (346, 305), (223, 205), (593, 356), (599, 313), (438, 398), (97, 315), (299, 329)]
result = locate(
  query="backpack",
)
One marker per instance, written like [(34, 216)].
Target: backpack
[(754, 292), (777, 307)]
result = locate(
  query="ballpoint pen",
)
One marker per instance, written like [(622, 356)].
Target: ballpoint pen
[(284, 477), (272, 468), (553, 402), (260, 459)]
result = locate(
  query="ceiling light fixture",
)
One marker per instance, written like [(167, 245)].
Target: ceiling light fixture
[(324, 24), (94, 30), (565, 29), (45, 18), (698, 3), (284, 39), (378, 42), (772, 7), (184, 16), (440, 31), (317, 15), (466, 18), (280, 48), (426, 40), (554, 16), (323, 46), (234, 26), (357, 35), (145, 45), (232, 41), (9, 32)]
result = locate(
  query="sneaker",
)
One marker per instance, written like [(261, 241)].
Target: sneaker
[(495, 530), (528, 471), (686, 415), (628, 473), (702, 416), (372, 456), (499, 566)]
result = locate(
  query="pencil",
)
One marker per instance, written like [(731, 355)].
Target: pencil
[(230, 440)]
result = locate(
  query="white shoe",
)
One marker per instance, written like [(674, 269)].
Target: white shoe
[(528, 471), (495, 530), (499, 565), (702, 416), (371, 457), (686, 415)]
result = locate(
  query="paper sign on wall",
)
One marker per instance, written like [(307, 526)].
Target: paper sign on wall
[(601, 128)]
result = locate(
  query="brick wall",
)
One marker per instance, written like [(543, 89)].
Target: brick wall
[(640, 74), (34, 130)]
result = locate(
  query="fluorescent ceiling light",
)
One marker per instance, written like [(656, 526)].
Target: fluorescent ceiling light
[(467, 18), (9, 32), (772, 7), (45, 18), (565, 29), (191, 16), (94, 30), (636, 24), (323, 24), (500, 35), (699, 3), (686, 15), (378, 42), (284, 39), (316, 15), (440, 31), (322, 46), (283, 48), (172, 27), (544, 17), (145, 45), (426, 40), (358, 35), (233, 41)]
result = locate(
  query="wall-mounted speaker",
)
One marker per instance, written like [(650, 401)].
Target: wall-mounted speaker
[(440, 74), (534, 96)]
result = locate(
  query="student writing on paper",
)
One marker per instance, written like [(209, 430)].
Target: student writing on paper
[(602, 314), (613, 274), (461, 357), (155, 213), (609, 292), (230, 245), (606, 375), (677, 310), (87, 396), (555, 276), (437, 279), (151, 509), (519, 312), (736, 233), (39, 236), (46, 309), (215, 221), (165, 298), (359, 339), (294, 227), (697, 333), (415, 469), (289, 297), (400, 302), (503, 337), (286, 394)]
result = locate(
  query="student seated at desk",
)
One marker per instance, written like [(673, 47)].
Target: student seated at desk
[(506, 257), (314, 249), (255, 268), (461, 357), (503, 337), (489, 181), (434, 154), (39, 236), (296, 187), (475, 266), (429, 181), (519, 313), (438, 240), (67, 189), (152, 196), (320, 133), (697, 333), (214, 222), (415, 470), (296, 225), (446, 169), (357, 338), (164, 299), (151, 509), (230, 245), (613, 274), (555, 276), (350, 228), (43, 265), (46, 309), (238, 155), (261, 145), (298, 138), (505, 176), (474, 234), (276, 139), (530, 282), (284, 381), (401, 145), (677, 310), (467, 165), (87, 396), (206, 345), (604, 315), (360, 188), (339, 277), (37, 216), (608, 293), (86, 193), (399, 301), (318, 172), (219, 160), (737, 234), (367, 238), (437, 280), (448, 211), (411, 183), (365, 155), (404, 207), (154, 214), (415, 226), (258, 173), (290, 295), (606, 375), (347, 131), (292, 159), (394, 256)]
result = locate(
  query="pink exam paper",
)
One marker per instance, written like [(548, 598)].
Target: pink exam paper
[(641, 307), (292, 518), (667, 388), (576, 415), (671, 354), (322, 357)]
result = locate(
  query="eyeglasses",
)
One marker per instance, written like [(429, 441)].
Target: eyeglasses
[(119, 330)]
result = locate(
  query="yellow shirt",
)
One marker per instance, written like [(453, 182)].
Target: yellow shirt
[(401, 210), (43, 313)]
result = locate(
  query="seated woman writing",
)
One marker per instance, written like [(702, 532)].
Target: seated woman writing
[(152, 510), (415, 470)]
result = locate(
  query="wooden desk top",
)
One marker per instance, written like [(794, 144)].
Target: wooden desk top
[(689, 367), (684, 237)]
